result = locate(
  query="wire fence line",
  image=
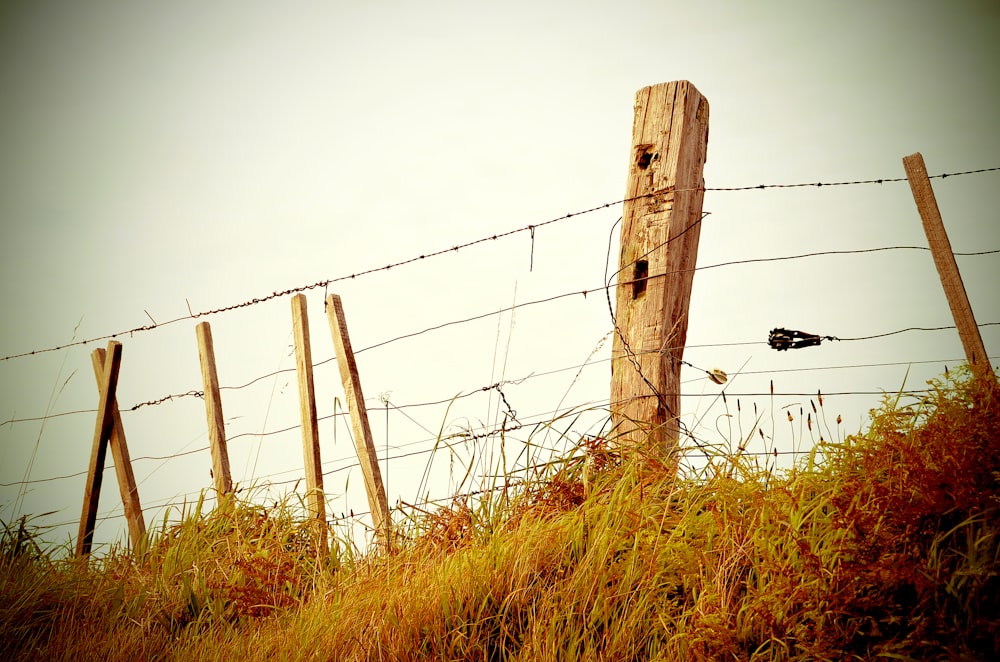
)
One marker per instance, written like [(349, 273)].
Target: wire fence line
[(508, 309), (638, 352), (484, 432), (531, 228), (479, 433)]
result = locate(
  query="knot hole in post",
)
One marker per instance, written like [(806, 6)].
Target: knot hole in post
[(645, 156), (639, 277)]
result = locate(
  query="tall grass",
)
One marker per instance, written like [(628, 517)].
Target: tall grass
[(885, 545)]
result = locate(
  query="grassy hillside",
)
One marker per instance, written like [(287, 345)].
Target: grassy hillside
[(885, 546)]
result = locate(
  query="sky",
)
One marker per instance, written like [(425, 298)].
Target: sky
[(184, 157)]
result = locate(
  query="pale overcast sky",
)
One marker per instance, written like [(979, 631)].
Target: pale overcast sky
[(206, 153)]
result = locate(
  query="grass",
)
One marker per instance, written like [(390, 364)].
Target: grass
[(885, 545)]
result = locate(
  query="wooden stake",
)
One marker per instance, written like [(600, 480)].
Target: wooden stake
[(659, 248), (102, 431), (213, 410), (377, 500), (123, 462), (307, 406), (944, 260)]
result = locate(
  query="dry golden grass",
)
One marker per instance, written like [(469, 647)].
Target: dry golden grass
[(883, 546)]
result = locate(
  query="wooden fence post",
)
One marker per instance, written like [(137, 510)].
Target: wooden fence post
[(947, 267), (213, 411), (310, 427), (123, 463), (377, 500), (661, 224), (102, 431)]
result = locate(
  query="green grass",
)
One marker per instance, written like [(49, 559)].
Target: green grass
[(885, 545)]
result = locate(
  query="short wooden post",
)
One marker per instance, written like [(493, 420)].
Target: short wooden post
[(102, 431), (377, 500), (123, 463), (659, 248), (307, 406), (944, 260), (213, 411)]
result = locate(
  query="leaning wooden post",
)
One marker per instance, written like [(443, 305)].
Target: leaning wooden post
[(377, 500), (99, 448), (661, 224), (310, 427), (213, 411), (944, 260), (123, 463)]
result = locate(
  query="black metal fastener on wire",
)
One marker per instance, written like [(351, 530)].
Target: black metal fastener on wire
[(782, 339)]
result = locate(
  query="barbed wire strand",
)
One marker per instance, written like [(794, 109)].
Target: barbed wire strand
[(685, 451), (455, 248), (207, 494), (528, 421), (511, 308), (637, 353)]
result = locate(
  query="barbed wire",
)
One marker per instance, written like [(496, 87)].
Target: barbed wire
[(484, 431), (471, 435), (637, 353), (684, 451), (497, 312), (165, 398), (606, 287), (208, 495), (884, 180), (457, 247), (325, 283), (584, 293)]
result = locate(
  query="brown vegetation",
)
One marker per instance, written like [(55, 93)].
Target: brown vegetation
[(884, 546)]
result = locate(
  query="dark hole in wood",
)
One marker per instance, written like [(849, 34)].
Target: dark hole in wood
[(639, 278), (645, 158)]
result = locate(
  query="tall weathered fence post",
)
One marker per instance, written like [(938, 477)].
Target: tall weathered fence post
[(944, 260), (315, 498), (661, 223)]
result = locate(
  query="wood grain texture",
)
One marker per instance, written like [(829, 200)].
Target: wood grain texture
[(213, 410), (122, 461), (102, 431), (944, 260), (659, 248), (315, 498), (377, 500)]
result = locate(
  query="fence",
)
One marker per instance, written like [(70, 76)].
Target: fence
[(437, 418)]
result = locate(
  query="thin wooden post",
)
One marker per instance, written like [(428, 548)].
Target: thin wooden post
[(307, 406), (213, 411), (123, 462), (99, 447), (377, 500), (661, 224), (944, 260)]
